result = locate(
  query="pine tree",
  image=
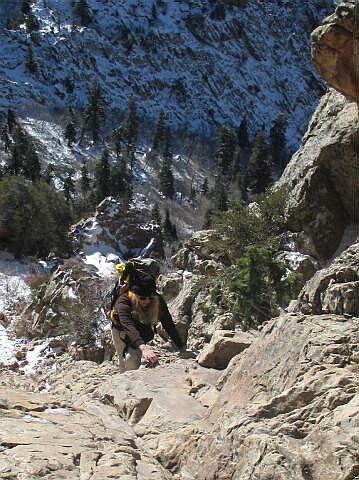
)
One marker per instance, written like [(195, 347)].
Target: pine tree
[(259, 174), (30, 63), (121, 181), (82, 10), (95, 111), (160, 132), (130, 130), (166, 174), (154, 12), (48, 175), (26, 7), (5, 137), (156, 215), (103, 177), (70, 133), (225, 150), (242, 134), (117, 137), (11, 120), (205, 187), (23, 159), (220, 194), (208, 219), (277, 140), (69, 186), (85, 182), (31, 164)]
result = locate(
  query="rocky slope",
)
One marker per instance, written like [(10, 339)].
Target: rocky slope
[(287, 404)]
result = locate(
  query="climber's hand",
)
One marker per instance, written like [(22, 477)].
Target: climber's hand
[(149, 355)]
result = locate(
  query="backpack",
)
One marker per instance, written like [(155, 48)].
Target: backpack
[(126, 272)]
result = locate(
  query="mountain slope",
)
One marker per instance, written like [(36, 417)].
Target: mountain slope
[(202, 64)]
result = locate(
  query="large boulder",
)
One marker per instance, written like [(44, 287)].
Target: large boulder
[(224, 345), (334, 289), (322, 177), (335, 49)]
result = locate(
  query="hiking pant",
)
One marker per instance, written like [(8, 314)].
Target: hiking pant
[(131, 360)]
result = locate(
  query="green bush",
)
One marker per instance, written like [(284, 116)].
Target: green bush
[(34, 218), (259, 282), (256, 282), (258, 223)]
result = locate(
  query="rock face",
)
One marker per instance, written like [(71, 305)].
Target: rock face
[(224, 345), (288, 408), (335, 49), (322, 177), (109, 225), (334, 289)]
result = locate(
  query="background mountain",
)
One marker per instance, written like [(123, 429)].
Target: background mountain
[(204, 63)]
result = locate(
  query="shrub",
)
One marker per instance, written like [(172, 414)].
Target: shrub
[(259, 223), (35, 217)]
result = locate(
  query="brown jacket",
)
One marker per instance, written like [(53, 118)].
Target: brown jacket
[(138, 333)]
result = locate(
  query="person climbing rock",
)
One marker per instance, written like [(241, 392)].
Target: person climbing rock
[(138, 309)]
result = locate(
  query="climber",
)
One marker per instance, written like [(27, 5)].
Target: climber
[(139, 307)]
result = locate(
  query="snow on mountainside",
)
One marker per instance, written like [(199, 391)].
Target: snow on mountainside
[(203, 68)]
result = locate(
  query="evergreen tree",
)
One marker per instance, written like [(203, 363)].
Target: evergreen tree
[(156, 215), (277, 140), (166, 174), (30, 63), (36, 217), (225, 150), (26, 7), (85, 182), (154, 12), (95, 112), (70, 133), (117, 137), (242, 134), (5, 137), (11, 120), (121, 181), (259, 174), (48, 174), (69, 187), (23, 159), (130, 130), (31, 164), (160, 132), (103, 177), (82, 10), (220, 194), (208, 219), (205, 187)]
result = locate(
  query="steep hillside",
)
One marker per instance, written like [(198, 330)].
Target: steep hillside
[(204, 63)]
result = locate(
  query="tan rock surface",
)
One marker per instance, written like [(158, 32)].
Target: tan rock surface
[(323, 179), (224, 345), (334, 289), (335, 49), (289, 408)]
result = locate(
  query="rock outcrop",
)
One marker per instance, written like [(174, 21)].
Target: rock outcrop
[(322, 177), (288, 408), (335, 49), (334, 289)]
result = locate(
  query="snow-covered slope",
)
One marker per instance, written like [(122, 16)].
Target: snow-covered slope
[(180, 56)]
